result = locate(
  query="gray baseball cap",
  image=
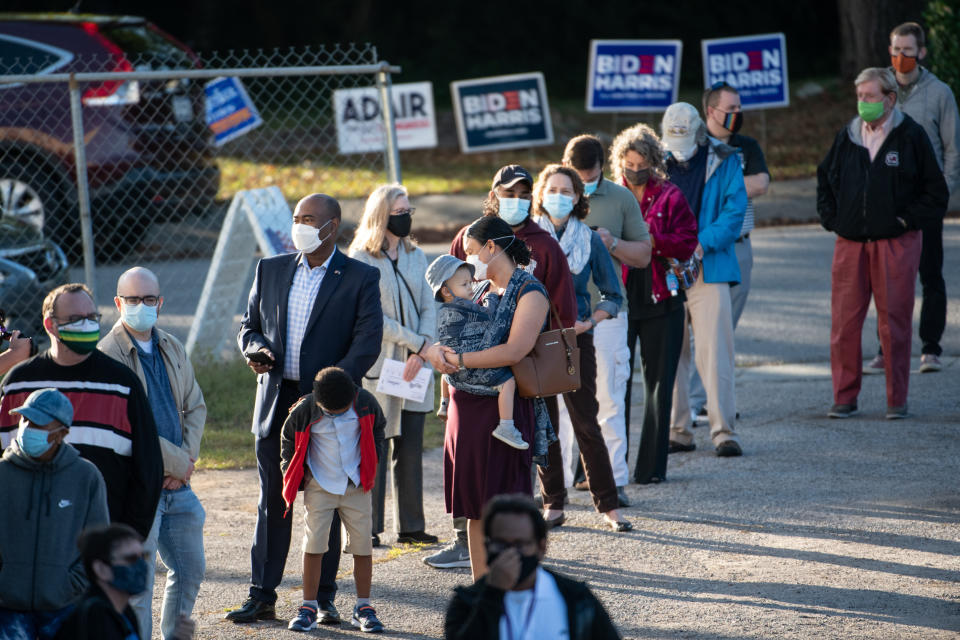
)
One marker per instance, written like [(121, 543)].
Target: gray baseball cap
[(43, 406), (442, 269)]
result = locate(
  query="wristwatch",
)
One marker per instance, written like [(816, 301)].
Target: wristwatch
[(593, 322), (613, 245), (460, 366)]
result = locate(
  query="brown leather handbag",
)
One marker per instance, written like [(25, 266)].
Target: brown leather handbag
[(553, 365)]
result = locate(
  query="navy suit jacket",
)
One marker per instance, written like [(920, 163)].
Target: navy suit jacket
[(345, 328)]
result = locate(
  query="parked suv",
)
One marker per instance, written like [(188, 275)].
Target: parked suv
[(149, 152)]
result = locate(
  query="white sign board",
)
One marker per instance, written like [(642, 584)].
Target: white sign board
[(360, 123), (258, 218)]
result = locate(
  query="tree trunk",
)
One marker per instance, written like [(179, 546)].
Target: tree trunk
[(865, 27)]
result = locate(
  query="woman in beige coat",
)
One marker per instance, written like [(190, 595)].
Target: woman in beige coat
[(409, 330)]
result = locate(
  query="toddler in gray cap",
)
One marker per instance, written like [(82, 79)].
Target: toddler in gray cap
[(461, 324)]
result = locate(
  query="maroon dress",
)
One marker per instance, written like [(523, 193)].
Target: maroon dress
[(477, 466)]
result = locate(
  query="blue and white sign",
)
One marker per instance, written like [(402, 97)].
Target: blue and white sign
[(633, 75), (502, 112), (755, 65), (230, 111)]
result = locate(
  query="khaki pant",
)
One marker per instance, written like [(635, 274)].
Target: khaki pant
[(709, 315)]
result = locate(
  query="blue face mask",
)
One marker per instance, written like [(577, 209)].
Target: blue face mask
[(33, 441), (130, 578), (557, 205), (590, 187), (513, 211), (139, 317)]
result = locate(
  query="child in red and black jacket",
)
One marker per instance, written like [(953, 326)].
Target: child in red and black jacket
[(331, 442)]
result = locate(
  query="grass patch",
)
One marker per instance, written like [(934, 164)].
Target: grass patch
[(228, 389)]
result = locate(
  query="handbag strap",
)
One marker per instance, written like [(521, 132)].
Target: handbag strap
[(554, 312)]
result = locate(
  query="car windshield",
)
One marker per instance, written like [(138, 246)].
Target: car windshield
[(148, 48)]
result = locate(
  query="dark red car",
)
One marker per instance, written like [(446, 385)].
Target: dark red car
[(149, 151)]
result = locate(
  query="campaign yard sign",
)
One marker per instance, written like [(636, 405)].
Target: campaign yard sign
[(360, 123), (633, 75), (755, 65), (502, 112), (229, 110)]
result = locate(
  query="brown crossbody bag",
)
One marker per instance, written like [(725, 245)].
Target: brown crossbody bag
[(553, 365)]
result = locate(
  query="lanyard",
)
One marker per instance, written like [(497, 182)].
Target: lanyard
[(526, 622)]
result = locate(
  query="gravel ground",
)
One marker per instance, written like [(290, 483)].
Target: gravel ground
[(824, 528)]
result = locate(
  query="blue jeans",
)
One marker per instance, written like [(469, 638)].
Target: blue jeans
[(27, 625), (177, 533)]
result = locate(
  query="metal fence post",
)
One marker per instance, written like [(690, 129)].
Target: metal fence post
[(391, 152), (83, 191)]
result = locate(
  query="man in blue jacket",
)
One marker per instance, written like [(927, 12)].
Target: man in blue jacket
[(307, 310), (709, 174)]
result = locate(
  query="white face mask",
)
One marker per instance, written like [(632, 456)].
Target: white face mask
[(307, 238), (479, 268)]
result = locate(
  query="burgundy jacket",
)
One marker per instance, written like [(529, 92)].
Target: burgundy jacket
[(550, 268), (673, 229)]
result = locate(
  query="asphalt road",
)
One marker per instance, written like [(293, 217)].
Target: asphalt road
[(824, 528)]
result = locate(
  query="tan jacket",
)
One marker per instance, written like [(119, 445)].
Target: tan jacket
[(186, 393)]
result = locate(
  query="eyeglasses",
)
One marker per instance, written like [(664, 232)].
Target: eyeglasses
[(400, 212), (150, 301), (92, 317)]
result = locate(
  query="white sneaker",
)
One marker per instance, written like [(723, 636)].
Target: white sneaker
[(511, 436), (875, 365), (929, 363)]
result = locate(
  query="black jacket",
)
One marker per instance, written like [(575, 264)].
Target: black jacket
[(475, 612), (901, 190), (94, 618)]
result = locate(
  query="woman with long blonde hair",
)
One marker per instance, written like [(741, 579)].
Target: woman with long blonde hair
[(409, 328)]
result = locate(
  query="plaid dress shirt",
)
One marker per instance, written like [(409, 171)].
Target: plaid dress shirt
[(303, 293)]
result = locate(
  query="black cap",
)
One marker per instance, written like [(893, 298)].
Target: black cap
[(511, 175)]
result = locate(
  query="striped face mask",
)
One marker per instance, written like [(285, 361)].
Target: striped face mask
[(80, 337)]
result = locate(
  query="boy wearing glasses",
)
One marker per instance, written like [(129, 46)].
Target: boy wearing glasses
[(160, 362), (113, 426), (331, 441)]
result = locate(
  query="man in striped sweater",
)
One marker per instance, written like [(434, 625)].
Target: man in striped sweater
[(113, 425)]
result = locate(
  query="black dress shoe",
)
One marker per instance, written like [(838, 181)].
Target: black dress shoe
[(327, 613), (674, 447), (556, 522), (419, 537), (729, 449), (650, 480), (251, 611), (375, 541)]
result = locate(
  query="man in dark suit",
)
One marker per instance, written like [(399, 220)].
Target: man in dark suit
[(307, 310)]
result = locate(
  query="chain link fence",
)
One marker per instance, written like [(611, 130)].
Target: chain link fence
[(158, 174)]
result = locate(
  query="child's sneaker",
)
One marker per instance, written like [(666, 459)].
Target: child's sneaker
[(305, 621), (365, 619), (511, 435)]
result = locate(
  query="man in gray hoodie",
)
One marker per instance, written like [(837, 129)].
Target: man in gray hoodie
[(930, 102), (51, 494)]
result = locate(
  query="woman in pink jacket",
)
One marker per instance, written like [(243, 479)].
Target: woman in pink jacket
[(655, 302)]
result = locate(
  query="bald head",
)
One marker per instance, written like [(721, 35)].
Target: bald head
[(138, 281), (320, 205)]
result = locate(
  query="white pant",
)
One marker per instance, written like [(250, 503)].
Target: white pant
[(613, 371)]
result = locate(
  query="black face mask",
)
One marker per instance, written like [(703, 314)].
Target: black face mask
[(399, 225), (528, 564), (636, 178)]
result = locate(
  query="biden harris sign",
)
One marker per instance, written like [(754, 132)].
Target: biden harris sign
[(755, 65), (502, 112), (633, 75)]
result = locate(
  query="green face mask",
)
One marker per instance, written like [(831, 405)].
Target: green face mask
[(870, 111), (80, 337)]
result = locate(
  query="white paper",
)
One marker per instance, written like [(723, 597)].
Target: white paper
[(392, 383)]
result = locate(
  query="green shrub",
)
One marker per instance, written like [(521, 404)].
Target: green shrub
[(943, 26)]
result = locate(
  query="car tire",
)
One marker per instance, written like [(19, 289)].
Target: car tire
[(36, 194)]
